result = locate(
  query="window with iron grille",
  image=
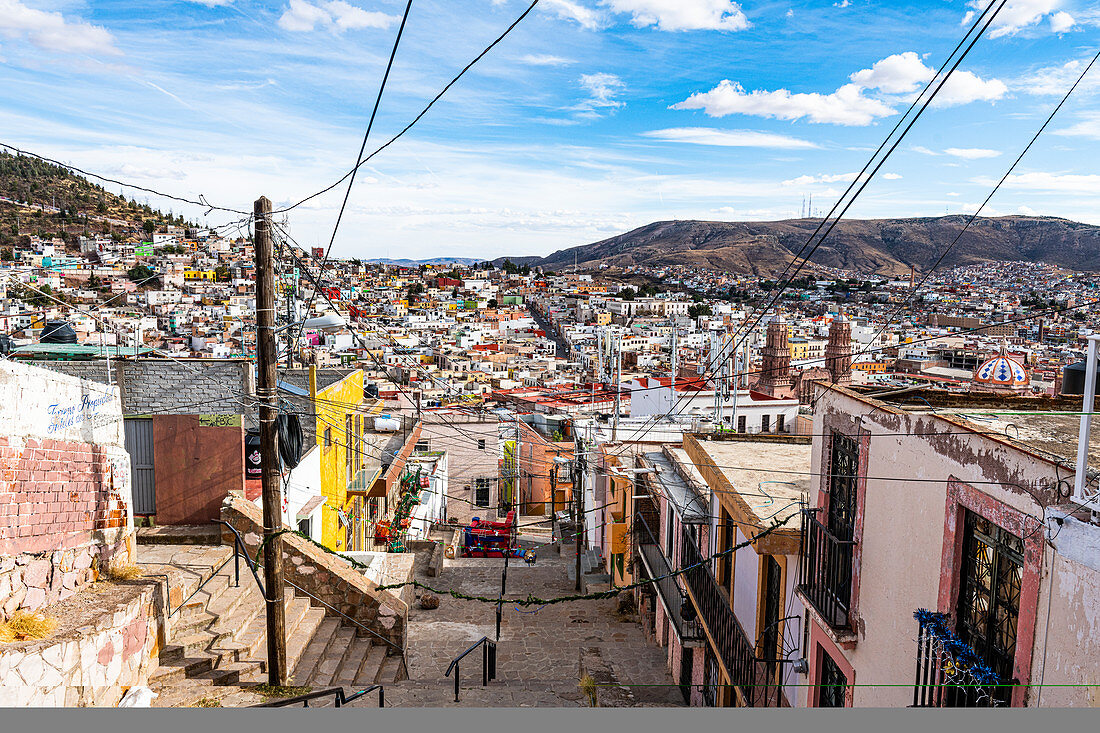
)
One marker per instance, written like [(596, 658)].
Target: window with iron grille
[(831, 684), (989, 601), (740, 423), (481, 491), (765, 423), (842, 487)]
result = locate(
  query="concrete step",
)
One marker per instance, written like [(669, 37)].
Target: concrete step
[(198, 534), (357, 651), (316, 651), (329, 665), (370, 670)]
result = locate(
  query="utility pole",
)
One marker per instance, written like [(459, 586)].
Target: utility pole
[(578, 498), (618, 383), (269, 444)]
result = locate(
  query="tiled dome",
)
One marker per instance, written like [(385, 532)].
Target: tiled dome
[(1002, 371)]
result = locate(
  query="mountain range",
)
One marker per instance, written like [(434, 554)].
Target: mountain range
[(884, 246)]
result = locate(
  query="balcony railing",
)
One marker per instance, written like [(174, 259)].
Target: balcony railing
[(671, 593), (826, 571), (949, 673), (751, 676)]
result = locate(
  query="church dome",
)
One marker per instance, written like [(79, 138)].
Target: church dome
[(1002, 372)]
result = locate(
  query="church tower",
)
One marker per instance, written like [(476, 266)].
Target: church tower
[(838, 352), (775, 371)]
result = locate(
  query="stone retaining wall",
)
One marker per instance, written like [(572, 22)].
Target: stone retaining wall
[(93, 664), (330, 579)]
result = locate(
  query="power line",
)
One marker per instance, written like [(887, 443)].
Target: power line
[(866, 179), (200, 202), (416, 119), (984, 203), (359, 157)]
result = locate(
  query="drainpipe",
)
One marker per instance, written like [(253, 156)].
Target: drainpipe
[(1086, 421)]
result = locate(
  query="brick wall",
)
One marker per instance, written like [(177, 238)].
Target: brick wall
[(65, 497)]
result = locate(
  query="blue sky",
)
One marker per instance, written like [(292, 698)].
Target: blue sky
[(593, 117)]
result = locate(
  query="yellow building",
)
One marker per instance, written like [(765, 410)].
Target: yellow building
[(199, 275), (343, 416), (603, 318), (873, 367)]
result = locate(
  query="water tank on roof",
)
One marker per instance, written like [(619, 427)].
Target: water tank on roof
[(1073, 378), (386, 425), (57, 332)]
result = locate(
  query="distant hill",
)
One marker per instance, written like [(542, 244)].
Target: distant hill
[(39, 198), (887, 246), (431, 261)]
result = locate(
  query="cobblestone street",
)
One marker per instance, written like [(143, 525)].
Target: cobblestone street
[(538, 656)]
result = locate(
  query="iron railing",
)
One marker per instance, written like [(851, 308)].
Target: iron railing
[(240, 549), (671, 593), (750, 675), (825, 571), (941, 683), (339, 699), (488, 662)]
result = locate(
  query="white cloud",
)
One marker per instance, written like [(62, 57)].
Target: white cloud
[(849, 105), (842, 4), (964, 87), (807, 180), (891, 176), (1056, 80), (1089, 127), (1062, 182), (544, 60), (583, 16), (51, 31), (336, 16), (1017, 15), (602, 89), (1027, 211), (923, 150), (901, 73), (790, 12), (972, 153), (729, 138), (1061, 22), (845, 106), (212, 3), (683, 15), (904, 73)]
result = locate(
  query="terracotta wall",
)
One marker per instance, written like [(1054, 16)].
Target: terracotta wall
[(196, 467)]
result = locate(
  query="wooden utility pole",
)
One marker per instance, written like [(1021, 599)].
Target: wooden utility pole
[(266, 363)]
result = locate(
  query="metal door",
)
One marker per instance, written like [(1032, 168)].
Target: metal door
[(139, 444)]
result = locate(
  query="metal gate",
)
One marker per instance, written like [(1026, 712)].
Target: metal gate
[(139, 444)]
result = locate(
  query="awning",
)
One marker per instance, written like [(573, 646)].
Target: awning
[(365, 483), (310, 507)]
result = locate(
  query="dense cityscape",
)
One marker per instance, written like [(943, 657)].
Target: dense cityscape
[(247, 461)]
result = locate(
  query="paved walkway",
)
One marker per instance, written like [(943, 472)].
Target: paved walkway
[(539, 650)]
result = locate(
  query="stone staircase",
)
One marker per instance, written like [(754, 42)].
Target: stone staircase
[(217, 642)]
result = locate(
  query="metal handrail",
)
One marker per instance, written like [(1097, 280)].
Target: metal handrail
[(240, 548), (488, 662), (337, 693)]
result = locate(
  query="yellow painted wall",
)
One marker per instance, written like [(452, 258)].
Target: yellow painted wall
[(333, 405)]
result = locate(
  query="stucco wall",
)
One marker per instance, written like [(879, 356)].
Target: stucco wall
[(904, 524)]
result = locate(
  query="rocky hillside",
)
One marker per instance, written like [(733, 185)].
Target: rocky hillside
[(887, 246), (38, 198)]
